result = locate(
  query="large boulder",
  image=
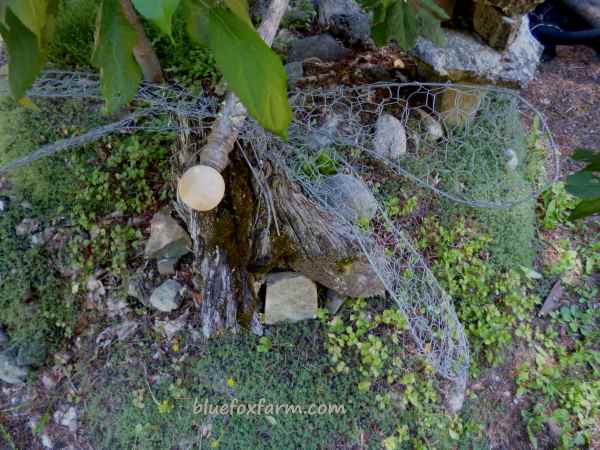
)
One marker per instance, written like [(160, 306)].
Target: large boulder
[(349, 196), (463, 58), (346, 20), (322, 46), (291, 297)]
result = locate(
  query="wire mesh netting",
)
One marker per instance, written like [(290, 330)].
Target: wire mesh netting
[(479, 146)]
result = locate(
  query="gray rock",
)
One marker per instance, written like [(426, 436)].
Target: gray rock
[(390, 137), (4, 204), (455, 396), (326, 134), (432, 128), (67, 417), (322, 46), (347, 20), (284, 40), (167, 238), (463, 58), (290, 297), (496, 29), (294, 71), (27, 226), (167, 297), (350, 197), (166, 266), (10, 371), (139, 287), (334, 301), (552, 301), (352, 279), (512, 160)]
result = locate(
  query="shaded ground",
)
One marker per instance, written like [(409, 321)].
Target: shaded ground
[(567, 91)]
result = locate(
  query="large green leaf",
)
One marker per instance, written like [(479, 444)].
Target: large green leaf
[(32, 14), (120, 75), (253, 71), (26, 57), (402, 21), (3, 7), (590, 156), (196, 15), (584, 185), (585, 208), (160, 12), (240, 9)]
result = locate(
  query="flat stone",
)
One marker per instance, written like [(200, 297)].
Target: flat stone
[(167, 238), (346, 20), (390, 137), (458, 107), (10, 371), (552, 301), (167, 297), (463, 58), (350, 196), (322, 46), (334, 301), (291, 297), (166, 266), (496, 29), (294, 71)]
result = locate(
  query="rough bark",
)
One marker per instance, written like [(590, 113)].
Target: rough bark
[(143, 52), (235, 241)]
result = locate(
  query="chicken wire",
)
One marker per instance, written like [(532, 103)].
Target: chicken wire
[(479, 146)]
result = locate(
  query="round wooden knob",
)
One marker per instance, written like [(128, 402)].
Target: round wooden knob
[(201, 188)]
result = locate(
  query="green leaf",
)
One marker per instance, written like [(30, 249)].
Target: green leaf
[(584, 185), (585, 208), (253, 71), (240, 9), (590, 156), (32, 14), (159, 12), (120, 75), (3, 7), (196, 15), (403, 21), (26, 57)]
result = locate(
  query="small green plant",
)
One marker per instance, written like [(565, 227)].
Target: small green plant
[(566, 392), (322, 163), (585, 184), (491, 304), (130, 180), (557, 205)]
